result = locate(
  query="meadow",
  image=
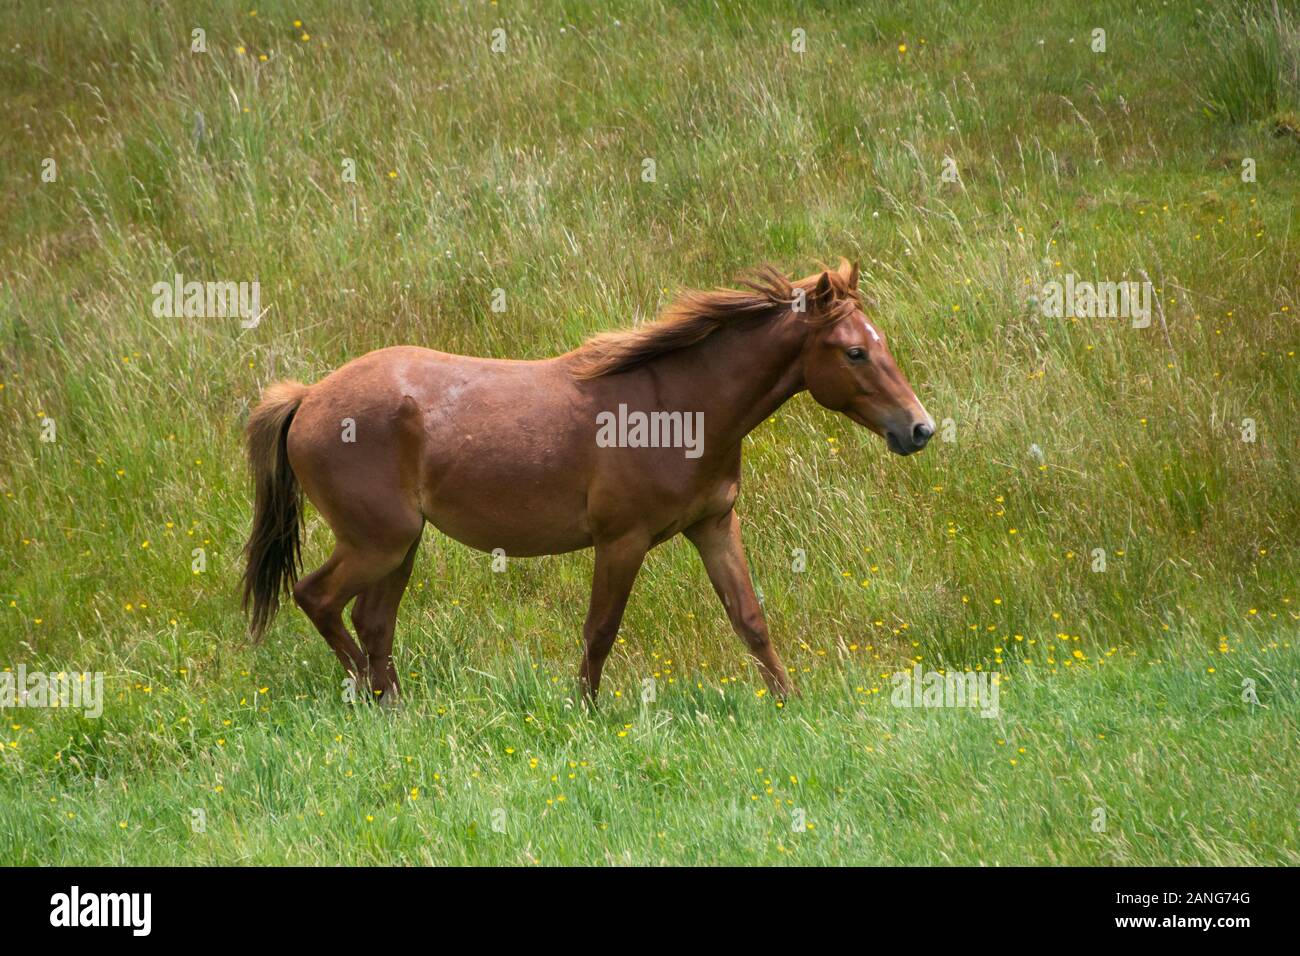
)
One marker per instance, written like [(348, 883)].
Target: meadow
[(1107, 518)]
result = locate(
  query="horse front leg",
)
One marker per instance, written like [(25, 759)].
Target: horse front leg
[(617, 564), (718, 541)]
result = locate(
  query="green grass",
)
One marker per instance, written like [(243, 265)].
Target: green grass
[(1255, 70), (523, 171), (707, 773)]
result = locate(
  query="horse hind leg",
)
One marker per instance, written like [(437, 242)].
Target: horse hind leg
[(325, 592), (374, 615), (365, 491)]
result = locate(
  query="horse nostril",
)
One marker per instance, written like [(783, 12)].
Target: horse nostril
[(921, 433)]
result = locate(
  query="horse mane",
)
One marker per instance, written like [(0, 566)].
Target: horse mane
[(696, 314)]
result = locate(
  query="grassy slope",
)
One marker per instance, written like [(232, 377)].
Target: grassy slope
[(522, 172)]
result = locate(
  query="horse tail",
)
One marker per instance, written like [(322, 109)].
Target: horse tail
[(273, 553)]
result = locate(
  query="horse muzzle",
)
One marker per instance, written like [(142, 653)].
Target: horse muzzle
[(908, 442)]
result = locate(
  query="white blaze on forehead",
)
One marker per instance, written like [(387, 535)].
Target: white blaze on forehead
[(858, 316)]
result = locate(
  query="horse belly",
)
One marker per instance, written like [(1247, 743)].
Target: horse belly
[(493, 483), (489, 513)]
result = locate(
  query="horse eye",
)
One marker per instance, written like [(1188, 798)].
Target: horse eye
[(857, 354)]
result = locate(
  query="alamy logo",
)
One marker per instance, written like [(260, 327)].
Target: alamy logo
[(973, 689), (651, 430), (179, 299), (1073, 299), (103, 909), (23, 688)]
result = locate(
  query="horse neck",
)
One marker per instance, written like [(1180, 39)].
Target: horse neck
[(740, 376)]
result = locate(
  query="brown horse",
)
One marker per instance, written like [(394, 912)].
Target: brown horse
[(620, 444)]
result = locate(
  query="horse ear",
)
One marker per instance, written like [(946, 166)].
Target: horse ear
[(823, 292), (850, 273)]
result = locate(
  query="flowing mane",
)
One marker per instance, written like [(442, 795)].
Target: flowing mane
[(696, 314)]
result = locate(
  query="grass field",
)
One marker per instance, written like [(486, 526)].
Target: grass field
[(1123, 690)]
